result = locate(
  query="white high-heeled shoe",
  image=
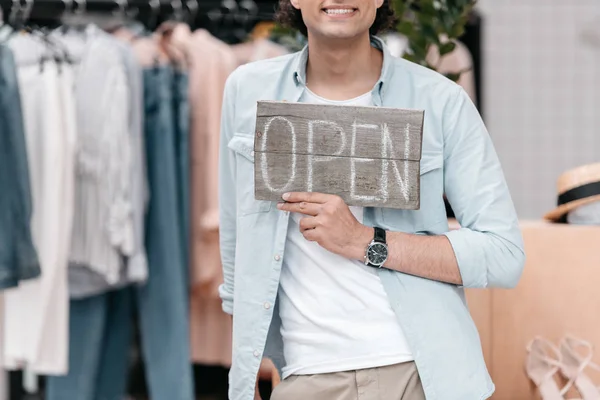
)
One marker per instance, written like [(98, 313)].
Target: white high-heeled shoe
[(543, 363), (576, 355)]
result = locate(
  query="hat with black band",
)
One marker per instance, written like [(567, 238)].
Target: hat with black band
[(576, 188)]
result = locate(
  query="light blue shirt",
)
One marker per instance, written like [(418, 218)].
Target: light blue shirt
[(458, 159)]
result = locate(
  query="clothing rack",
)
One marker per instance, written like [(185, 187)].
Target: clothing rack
[(229, 20), (232, 20), (56, 9)]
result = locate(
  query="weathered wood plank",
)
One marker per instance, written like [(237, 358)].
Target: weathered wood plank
[(359, 181), (345, 131), (367, 155)]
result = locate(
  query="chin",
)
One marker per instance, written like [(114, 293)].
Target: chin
[(338, 34)]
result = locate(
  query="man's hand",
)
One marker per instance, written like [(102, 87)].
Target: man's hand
[(330, 223)]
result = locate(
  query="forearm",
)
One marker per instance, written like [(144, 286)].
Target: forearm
[(430, 257)]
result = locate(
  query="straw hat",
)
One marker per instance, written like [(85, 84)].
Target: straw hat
[(576, 187)]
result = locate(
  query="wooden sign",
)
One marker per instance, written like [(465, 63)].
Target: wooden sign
[(369, 156)]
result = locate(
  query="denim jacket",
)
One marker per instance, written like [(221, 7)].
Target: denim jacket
[(18, 256), (458, 159)]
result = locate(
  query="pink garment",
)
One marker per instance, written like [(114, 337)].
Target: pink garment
[(175, 39), (35, 334), (257, 50), (211, 62), (146, 49)]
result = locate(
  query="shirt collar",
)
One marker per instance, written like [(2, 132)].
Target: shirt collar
[(379, 88)]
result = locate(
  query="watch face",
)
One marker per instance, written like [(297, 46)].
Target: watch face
[(377, 254)]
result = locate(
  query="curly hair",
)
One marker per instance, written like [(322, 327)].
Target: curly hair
[(290, 17)]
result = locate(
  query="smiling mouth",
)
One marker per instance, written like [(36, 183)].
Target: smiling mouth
[(338, 11)]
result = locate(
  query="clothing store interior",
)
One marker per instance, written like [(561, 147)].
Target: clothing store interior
[(147, 76)]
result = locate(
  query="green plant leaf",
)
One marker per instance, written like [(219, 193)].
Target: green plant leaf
[(427, 8), (411, 57), (456, 31), (405, 27), (427, 22), (453, 76), (447, 48)]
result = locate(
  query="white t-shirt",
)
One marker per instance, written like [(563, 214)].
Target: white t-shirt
[(335, 313)]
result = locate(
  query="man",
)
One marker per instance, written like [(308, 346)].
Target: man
[(341, 329)]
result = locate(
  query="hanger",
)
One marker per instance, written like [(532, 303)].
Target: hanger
[(122, 8), (215, 16), (20, 20), (248, 11), (61, 53), (155, 7), (177, 15), (229, 9), (192, 7), (81, 7), (233, 20), (15, 9), (110, 22), (74, 17)]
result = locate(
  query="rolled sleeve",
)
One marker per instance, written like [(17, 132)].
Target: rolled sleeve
[(226, 295), (489, 246)]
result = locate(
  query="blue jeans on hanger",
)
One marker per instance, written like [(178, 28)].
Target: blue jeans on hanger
[(181, 108), (163, 301), (99, 339), (98, 360), (18, 256)]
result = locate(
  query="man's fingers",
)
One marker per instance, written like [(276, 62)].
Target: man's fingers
[(308, 223), (302, 207), (308, 197), (312, 235)]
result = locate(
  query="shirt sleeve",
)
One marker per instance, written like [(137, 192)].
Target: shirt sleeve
[(227, 195), (19, 210), (489, 245)]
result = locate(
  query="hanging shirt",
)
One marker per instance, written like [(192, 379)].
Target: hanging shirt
[(111, 192), (103, 230), (36, 313)]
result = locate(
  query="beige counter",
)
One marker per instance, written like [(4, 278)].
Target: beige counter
[(559, 293)]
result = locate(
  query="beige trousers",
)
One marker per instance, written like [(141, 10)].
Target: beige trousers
[(394, 382)]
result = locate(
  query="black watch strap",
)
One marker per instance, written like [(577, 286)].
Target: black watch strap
[(379, 235)]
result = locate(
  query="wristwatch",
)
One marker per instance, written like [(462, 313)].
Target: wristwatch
[(377, 251)]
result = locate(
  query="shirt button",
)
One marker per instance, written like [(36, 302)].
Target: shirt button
[(267, 305), (256, 353), (252, 153), (277, 258)]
